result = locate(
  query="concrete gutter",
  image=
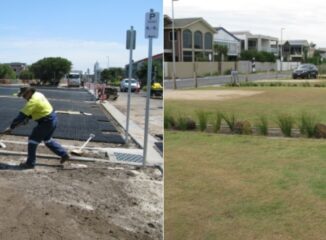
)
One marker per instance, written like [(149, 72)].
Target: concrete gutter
[(137, 134)]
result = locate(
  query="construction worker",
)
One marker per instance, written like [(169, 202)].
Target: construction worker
[(40, 110)]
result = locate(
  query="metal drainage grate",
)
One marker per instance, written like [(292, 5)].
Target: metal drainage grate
[(127, 157)]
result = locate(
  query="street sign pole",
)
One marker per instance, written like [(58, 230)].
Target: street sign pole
[(131, 37), (151, 31)]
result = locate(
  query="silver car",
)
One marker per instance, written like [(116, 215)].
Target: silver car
[(135, 86)]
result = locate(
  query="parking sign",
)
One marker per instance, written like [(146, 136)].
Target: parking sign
[(152, 24)]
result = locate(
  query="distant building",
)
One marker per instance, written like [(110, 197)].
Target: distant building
[(225, 38), (193, 39), (17, 67), (138, 64), (97, 73), (322, 52), (257, 42), (295, 50)]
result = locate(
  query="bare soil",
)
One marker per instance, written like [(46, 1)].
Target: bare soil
[(218, 95), (78, 201)]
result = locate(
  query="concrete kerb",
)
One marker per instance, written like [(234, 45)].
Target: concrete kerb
[(154, 158)]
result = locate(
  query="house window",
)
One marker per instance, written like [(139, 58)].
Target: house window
[(175, 36), (187, 39), (208, 40), (198, 40), (187, 56)]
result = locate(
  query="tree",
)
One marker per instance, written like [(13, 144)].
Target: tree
[(156, 72), (51, 70), (7, 72), (112, 75), (26, 75), (259, 56), (221, 51)]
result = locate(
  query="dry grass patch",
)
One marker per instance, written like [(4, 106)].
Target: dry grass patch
[(240, 187)]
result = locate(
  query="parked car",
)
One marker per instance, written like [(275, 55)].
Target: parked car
[(134, 85), (305, 71)]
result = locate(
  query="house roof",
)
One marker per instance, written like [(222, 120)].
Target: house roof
[(181, 23), (223, 29), (250, 35), (322, 50), (298, 43)]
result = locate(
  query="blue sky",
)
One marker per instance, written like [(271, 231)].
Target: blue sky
[(82, 31)]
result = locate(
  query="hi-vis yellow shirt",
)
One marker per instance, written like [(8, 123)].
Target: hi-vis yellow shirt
[(37, 106)]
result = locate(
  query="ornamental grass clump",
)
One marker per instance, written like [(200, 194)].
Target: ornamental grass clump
[(217, 122), (307, 124), (285, 123), (169, 121), (262, 125), (203, 119), (230, 120), (181, 123)]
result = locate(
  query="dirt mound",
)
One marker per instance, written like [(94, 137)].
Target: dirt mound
[(82, 201)]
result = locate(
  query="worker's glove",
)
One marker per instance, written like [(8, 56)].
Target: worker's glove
[(25, 122), (7, 130)]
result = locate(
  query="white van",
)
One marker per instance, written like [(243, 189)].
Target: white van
[(74, 79)]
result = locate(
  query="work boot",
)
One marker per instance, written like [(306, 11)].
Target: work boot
[(64, 159), (25, 165)]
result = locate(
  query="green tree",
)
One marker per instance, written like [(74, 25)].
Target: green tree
[(315, 59), (7, 72), (26, 75), (112, 75), (220, 52), (51, 70), (156, 72), (260, 56)]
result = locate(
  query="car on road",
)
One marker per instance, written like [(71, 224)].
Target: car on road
[(305, 71), (134, 85)]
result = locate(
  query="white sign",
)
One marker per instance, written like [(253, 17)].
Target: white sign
[(152, 24)]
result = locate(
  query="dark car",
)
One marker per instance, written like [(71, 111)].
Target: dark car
[(305, 71)]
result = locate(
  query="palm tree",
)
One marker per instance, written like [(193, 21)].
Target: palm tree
[(221, 51)]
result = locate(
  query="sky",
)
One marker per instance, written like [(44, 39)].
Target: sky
[(300, 19), (83, 31)]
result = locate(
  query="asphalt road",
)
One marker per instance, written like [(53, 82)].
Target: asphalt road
[(223, 79)]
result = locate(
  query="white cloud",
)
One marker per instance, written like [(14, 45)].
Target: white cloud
[(301, 19), (83, 54)]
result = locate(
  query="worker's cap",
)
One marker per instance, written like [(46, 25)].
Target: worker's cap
[(24, 90)]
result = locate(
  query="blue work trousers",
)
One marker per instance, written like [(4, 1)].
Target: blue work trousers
[(43, 132)]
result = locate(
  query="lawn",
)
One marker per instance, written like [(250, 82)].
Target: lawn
[(244, 187), (272, 102)]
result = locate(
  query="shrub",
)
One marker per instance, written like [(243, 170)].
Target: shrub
[(230, 120), (262, 126), (307, 124), (185, 123), (217, 122), (285, 123), (320, 130), (243, 127), (306, 84), (191, 124), (227, 72), (169, 121), (181, 123), (202, 117)]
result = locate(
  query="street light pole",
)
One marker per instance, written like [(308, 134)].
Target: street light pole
[(173, 48), (281, 49)]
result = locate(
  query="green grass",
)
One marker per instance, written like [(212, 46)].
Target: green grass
[(244, 187), (271, 103)]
